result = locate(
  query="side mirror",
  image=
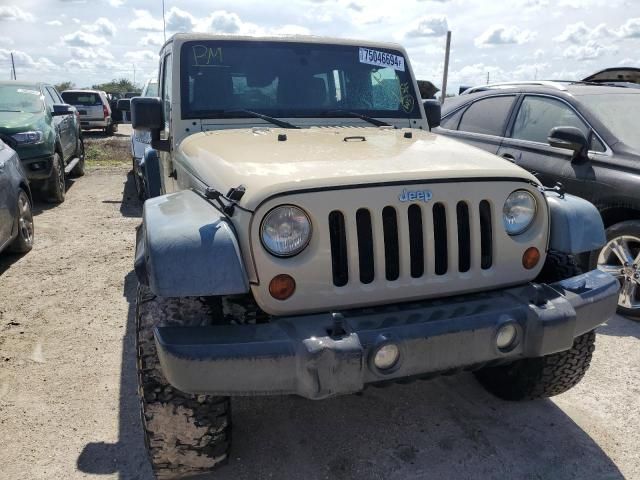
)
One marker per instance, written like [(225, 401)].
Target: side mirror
[(146, 114), (570, 138), (62, 109), (433, 112), (124, 104)]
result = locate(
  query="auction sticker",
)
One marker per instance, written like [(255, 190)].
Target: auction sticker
[(381, 59)]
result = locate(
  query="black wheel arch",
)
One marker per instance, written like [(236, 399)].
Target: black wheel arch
[(616, 213)]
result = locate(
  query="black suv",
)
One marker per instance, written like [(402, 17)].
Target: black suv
[(584, 136)]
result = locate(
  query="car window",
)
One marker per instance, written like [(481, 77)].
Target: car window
[(451, 122), (55, 95), (20, 98), (84, 99), (487, 116), (48, 99), (538, 115)]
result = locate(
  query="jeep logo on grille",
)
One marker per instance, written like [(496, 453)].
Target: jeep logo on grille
[(415, 195)]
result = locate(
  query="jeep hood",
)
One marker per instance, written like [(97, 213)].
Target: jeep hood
[(267, 163)]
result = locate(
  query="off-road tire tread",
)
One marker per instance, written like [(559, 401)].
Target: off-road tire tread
[(541, 377), (558, 266), (185, 434)]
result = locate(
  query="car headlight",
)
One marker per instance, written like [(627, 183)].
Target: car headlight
[(285, 231), (28, 138), (518, 212)]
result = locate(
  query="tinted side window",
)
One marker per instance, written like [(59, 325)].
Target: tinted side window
[(55, 95), (48, 99), (487, 116), (452, 121), (538, 115)]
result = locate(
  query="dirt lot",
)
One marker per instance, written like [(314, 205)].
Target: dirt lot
[(68, 406)]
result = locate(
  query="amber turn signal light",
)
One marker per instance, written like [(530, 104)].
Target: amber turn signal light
[(530, 258), (282, 286)]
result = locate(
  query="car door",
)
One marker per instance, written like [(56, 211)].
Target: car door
[(526, 143), (7, 203), (481, 124), (67, 130)]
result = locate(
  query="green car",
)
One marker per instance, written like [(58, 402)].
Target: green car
[(45, 132)]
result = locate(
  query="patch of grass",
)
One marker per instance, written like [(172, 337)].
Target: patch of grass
[(107, 152)]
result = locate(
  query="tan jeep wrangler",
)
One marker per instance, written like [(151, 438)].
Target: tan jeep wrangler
[(306, 234)]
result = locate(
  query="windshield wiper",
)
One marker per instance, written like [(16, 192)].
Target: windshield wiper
[(266, 118), (372, 121)]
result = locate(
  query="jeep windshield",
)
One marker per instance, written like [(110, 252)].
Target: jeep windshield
[(20, 98), (294, 80), (619, 112)]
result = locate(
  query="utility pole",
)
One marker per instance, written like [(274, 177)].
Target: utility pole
[(13, 67), (445, 75), (487, 78)]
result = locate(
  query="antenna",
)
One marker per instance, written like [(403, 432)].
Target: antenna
[(13, 67), (164, 24), (134, 74), (445, 75)]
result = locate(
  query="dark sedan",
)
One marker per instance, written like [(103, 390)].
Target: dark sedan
[(585, 136), (16, 218)]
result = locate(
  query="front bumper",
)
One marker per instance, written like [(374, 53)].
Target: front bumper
[(37, 168), (299, 355)]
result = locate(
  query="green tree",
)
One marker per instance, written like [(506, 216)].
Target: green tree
[(121, 85), (61, 87)]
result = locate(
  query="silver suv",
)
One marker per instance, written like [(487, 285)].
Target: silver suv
[(94, 109)]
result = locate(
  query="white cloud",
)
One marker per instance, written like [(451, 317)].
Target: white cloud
[(501, 35), (88, 53), (579, 33), (116, 3), (179, 20), (151, 40), (145, 22), (25, 61), (141, 56), (292, 30), (54, 23), (6, 41), (102, 26), (13, 13), (628, 62), (83, 39), (631, 29), (428, 26), (589, 51), (222, 21)]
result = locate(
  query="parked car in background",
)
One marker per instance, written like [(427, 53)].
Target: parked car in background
[(45, 132), (94, 109), (585, 136), (140, 139), (623, 76), (16, 217)]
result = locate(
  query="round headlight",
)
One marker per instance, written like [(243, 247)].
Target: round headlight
[(285, 231), (518, 212)]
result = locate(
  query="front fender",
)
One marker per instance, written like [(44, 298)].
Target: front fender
[(186, 247), (576, 225)]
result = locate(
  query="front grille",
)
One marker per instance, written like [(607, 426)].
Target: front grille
[(423, 235)]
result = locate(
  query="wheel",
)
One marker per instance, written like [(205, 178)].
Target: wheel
[(621, 258), (109, 131), (78, 170), (540, 377), (56, 187), (139, 182), (185, 434), (24, 241)]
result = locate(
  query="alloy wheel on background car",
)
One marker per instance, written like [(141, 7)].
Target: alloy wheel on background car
[(620, 257)]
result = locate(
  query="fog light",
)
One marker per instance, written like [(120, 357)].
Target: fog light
[(386, 356), (530, 258), (506, 337), (282, 287)]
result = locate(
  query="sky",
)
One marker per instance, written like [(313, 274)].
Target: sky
[(93, 41)]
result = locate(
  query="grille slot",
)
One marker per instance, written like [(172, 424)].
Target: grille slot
[(391, 248), (365, 245), (464, 237), (440, 249), (486, 236), (416, 244), (338, 239)]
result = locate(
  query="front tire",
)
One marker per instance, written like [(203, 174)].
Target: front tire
[(185, 434), (23, 243), (621, 258), (550, 375), (540, 377), (56, 185), (109, 131)]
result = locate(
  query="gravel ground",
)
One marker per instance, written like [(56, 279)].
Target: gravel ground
[(68, 406)]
